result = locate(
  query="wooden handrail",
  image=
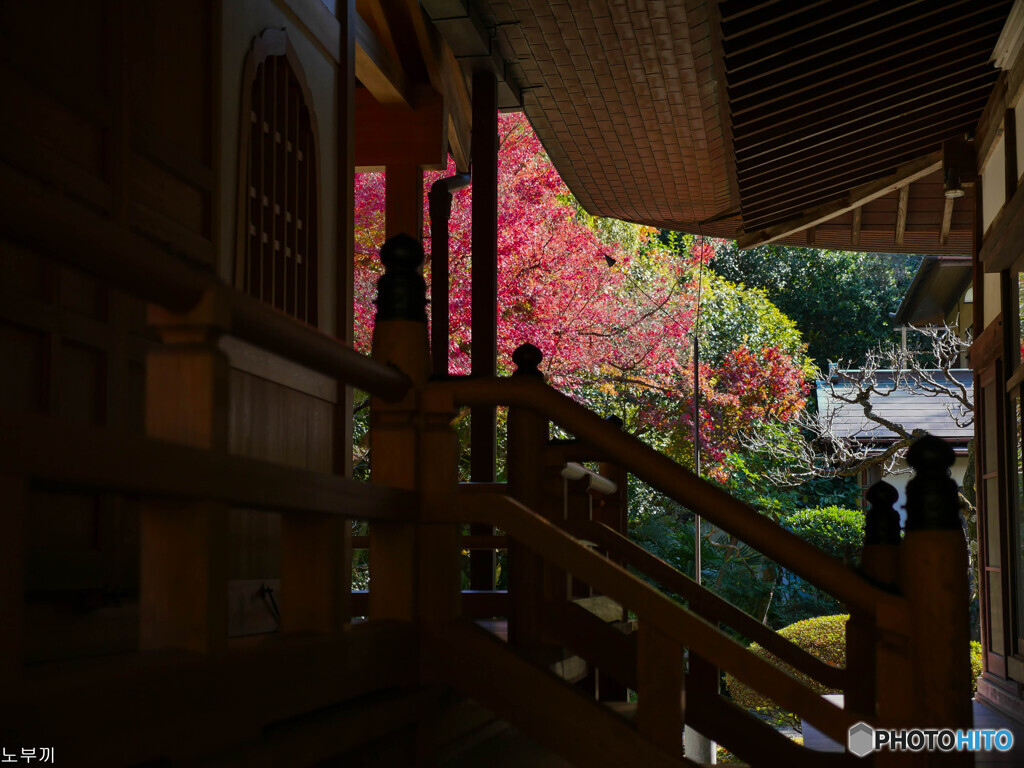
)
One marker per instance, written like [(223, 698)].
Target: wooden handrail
[(707, 604), (679, 623), (61, 230), (677, 482), (47, 449)]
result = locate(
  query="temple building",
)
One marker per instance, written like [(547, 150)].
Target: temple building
[(177, 377)]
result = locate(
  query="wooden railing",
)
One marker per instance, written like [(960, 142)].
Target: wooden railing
[(893, 607), (678, 483)]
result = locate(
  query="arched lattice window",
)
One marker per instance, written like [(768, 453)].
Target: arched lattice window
[(278, 223)]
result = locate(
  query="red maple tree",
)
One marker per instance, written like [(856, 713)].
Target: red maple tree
[(614, 322)]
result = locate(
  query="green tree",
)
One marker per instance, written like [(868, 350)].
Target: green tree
[(841, 301)]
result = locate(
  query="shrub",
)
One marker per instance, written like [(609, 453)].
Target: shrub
[(975, 665), (824, 637), (835, 530)]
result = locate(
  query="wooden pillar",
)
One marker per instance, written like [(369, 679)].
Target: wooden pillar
[(13, 545), (659, 688), (183, 558), (399, 338), (527, 436), (880, 565), (403, 201), (345, 290), (934, 580), (484, 322)]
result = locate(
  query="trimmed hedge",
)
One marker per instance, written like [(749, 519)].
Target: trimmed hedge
[(824, 637)]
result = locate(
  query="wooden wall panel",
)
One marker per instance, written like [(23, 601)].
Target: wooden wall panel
[(114, 112), (277, 423)]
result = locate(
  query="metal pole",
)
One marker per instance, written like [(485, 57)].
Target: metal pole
[(699, 747)]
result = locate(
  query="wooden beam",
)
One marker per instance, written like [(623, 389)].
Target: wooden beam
[(788, 203), (855, 232), (947, 220), (858, 196), (79, 454), (1009, 153), (388, 135), (901, 213), (377, 70), (446, 76)]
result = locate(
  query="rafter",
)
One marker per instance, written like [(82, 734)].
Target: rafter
[(377, 69), (901, 213), (906, 174), (947, 220)]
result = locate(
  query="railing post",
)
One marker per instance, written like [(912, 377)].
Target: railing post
[(659, 681), (399, 339), (879, 563), (183, 545), (527, 436), (934, 579), (14, 491)]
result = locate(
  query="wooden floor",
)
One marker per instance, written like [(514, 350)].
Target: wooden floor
[(984, 717)]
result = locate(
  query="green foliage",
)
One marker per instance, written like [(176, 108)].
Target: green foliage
[(976, 665), (732, 315), (837, 531), (822, 636), (839, 300)]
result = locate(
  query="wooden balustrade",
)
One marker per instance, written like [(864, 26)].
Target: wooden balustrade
[(684, 627), (665, 475), (708, 605), (900, 599)]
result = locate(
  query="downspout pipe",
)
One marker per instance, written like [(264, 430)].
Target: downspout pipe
[(440, 201)]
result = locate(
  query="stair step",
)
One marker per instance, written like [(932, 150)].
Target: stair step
[(603, 607), (561, 662), (507, 749)]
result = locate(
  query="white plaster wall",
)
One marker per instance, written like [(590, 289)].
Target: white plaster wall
[(993, 183), (243, 21), (899, 482), (993, 300)]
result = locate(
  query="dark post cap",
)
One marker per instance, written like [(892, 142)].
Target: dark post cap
[(932, 499), (882, 522), (527, 359), (401, 290), (615, 421)]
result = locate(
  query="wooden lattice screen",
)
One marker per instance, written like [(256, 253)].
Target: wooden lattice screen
[(278, 240)]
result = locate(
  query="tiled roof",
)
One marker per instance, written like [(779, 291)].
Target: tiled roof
[(907, 405)]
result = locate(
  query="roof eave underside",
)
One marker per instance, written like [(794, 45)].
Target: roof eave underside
[(748, 119)]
